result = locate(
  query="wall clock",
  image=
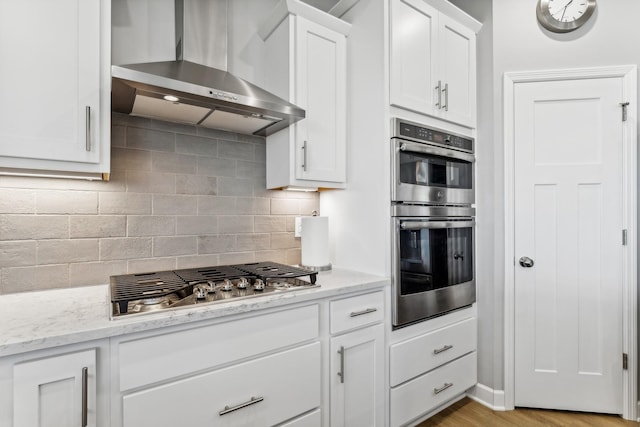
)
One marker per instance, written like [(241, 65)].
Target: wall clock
[(562, 16)]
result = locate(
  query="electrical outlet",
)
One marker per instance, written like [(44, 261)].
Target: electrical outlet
[(297, 232)]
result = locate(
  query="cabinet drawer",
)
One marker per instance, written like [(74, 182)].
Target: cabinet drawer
[(421, 354), (265, 391), (357, 311), (148, 360), (308, 420), (425, 393)]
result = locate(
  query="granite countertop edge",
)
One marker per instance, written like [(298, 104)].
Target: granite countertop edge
[(39, 320)]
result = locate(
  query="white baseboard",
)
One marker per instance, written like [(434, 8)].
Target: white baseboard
[(492, 399)]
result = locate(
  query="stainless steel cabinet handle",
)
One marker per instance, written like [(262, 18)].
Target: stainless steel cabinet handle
[(443, 349), (365, 311), (304, 156), (526, 262), (87, 136), (443, 388), (85, 395), (446, 97), (252, 401), (439, 90), (341, 373)]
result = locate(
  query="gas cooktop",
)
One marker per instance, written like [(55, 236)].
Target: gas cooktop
[(132, 294)]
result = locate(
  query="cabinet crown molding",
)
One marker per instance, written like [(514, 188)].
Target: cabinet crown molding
[(298, 8)]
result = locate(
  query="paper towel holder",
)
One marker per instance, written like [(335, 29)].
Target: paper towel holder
[(326, 267)]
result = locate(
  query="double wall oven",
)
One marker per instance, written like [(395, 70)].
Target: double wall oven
[(432, 193)]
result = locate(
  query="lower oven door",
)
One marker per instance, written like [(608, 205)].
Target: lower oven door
[(433, 267)]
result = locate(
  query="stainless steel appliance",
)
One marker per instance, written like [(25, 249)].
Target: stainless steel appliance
[(430, 166), (433, 253), (132, 294)]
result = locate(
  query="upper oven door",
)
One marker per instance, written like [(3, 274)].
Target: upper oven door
[(425, 173)]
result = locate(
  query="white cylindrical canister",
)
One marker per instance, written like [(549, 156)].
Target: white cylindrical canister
[(314, 236)]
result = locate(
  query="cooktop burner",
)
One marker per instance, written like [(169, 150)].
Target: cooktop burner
[(151, 292)]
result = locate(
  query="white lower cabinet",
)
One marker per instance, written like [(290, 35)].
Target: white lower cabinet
[(56, 391), (357, 361), (60, 387), (425, 393), (432, 367), (357, 368), (262, 392)]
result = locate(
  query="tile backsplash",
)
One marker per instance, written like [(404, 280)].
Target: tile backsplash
[(179, 197)]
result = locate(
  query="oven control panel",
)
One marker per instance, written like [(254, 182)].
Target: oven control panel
[(417, 132)]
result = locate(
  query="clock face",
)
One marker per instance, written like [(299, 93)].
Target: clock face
[(567, 10), (561, 16)]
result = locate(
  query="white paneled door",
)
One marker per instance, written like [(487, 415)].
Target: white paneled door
[(568, 213)]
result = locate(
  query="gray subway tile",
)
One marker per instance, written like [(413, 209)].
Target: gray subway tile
[(284, 241), (65, 251), (130, 159), (17, 253), (235, 150), (247, 169), (236, 258), (216, 133), (234, 186), (285, 207), (269, 224), (173, 163), (147, 139), (17, 201), (216, 244), (125, 248), (164, 204), (95, 273), (194, 184), (198, 145), (124, 204), (194, 261), (32, 227), (173, 246), (148, 182), (253, 205), (253, 242), (235, 224), (216, 205), (118, 136), (97, 226), (22, 279), (150, 225), (197, 224), (66, 202), (213, 166)]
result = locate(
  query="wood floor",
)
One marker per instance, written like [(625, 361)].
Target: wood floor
[(467, 413)]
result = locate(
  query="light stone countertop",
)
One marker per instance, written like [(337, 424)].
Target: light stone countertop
[(39, 320)]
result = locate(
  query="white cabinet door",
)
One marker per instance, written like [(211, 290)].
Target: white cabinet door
[(357, 378), (432, 63), (457, 61), (413, 56), (56, 391), (321, 90), (52, 96)]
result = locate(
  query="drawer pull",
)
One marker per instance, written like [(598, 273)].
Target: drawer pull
[(360, 313), (443, 388), (85, 396), (443, 349), (228, 409), (341, 373)]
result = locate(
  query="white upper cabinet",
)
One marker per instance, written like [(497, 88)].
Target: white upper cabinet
[(55, 85), (306, 63), (432, 63)]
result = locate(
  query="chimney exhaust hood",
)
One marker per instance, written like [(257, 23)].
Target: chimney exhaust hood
[(187, 92)]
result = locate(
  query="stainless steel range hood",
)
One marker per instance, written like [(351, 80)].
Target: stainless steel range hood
[(188, 92)]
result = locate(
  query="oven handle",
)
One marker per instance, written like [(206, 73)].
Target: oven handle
[(415, 147), (418, 225)]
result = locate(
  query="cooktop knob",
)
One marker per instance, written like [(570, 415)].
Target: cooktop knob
[(242, 283), (227, 285), (201, 290), (258, 285)]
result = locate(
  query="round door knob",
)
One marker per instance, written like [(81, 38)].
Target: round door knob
[(526, 262)]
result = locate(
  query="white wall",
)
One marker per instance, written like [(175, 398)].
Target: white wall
[(612, 37)]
